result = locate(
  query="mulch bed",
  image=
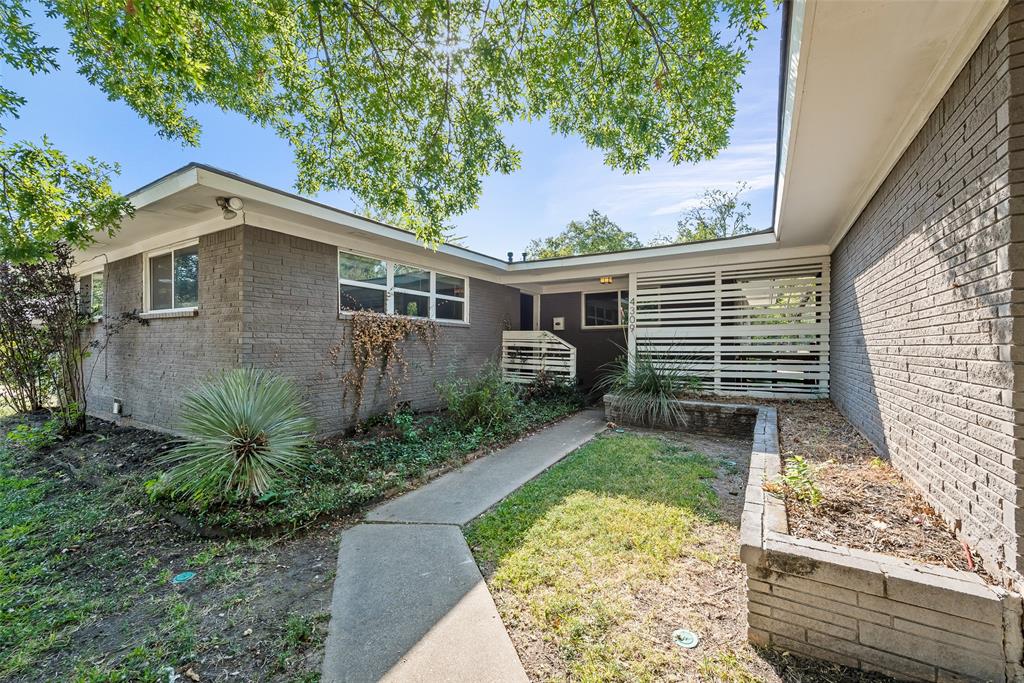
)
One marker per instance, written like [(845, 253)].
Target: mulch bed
[(865, 502)]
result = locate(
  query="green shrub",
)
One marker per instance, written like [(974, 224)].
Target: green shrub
[(649, 390), (35, 437), (247, 432), (484, 401)]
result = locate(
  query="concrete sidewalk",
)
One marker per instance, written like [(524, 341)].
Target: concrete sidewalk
[(409, 602)]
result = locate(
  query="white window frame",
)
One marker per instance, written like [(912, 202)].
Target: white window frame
[(390, 289), (92, 292), (623, 300), (147, 303)]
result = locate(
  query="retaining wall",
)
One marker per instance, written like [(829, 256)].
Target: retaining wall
[(909, 620)]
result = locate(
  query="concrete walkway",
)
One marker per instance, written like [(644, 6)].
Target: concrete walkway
[(409, 602)]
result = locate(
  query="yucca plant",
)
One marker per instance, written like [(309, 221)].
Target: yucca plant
[(247, 431), (649, 390)]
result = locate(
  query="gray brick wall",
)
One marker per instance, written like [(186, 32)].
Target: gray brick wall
[(291, 325), (149, 367), (270, 300), (925, 287)]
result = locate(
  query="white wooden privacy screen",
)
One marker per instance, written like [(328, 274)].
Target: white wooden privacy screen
[(749, 329), (527, 354)]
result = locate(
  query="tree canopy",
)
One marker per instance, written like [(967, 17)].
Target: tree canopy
[(596, 234), (404, 102), (720, 213)]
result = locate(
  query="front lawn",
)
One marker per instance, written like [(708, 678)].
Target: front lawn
[(595, 564), (87, 558)]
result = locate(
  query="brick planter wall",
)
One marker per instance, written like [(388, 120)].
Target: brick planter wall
[(865, 610), (697, 417)]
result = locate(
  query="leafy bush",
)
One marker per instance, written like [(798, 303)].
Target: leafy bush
[(485, 400), (346, 474), (799, 481), (649, 390), (247, 432)]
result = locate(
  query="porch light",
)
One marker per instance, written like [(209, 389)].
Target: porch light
[(606, 280)]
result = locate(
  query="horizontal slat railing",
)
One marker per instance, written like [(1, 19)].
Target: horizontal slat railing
[(527, 354)]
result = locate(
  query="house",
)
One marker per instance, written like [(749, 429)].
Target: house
[(892, 281)]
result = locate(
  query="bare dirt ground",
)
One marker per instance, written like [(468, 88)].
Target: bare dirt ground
[(255, 610), (865, 503)]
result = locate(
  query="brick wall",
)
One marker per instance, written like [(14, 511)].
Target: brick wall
[(864, 610), (291, 325), (270, 300), (925, 287), (149, 367)]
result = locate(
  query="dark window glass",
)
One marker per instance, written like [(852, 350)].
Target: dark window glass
[(160, 276), (412, 304), (362, 269), (601, 308), (362, 299), (449, 285), (407, 277), (450, 310), (186, 277)]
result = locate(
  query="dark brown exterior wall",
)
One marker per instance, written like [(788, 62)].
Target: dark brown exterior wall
[(150, 367), (291, 325), (594, 348), (926, 292)]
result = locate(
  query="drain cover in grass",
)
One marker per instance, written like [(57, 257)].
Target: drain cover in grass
[(182, 578), (684, 638)]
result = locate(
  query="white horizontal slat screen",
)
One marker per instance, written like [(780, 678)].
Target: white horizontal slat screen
[(750, 329), (525, 355)]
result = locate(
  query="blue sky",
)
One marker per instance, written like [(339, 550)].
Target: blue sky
[(560, 178)]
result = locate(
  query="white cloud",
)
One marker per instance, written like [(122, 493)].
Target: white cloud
[(644, 202)]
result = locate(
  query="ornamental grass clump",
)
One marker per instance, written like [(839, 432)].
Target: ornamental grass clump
[(247, 432), (648, 390)]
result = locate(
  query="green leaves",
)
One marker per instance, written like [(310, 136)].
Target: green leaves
[(404, 102), (247, 431), (19, 49), (719, 214), (46, 198), (595, 235)]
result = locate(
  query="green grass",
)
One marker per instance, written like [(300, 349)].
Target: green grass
[(568, 548), (72, 559), (45, 591)]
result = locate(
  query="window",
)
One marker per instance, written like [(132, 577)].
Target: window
[(363, 283), (172, 278), (370, 284), (91, 294), (604, 309)]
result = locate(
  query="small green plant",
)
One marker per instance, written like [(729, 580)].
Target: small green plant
[(247, 432), (35, 437), (799, 481), (405, 424), (486, 400), (648, 388)]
